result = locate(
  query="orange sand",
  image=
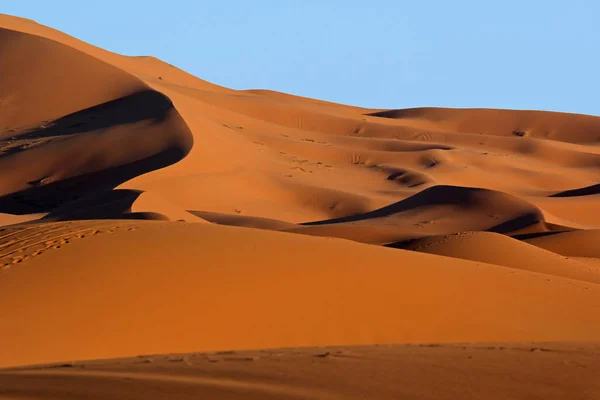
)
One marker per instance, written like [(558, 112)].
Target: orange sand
[(145, 211)]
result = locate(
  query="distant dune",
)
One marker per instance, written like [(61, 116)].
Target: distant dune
[(144, 211)]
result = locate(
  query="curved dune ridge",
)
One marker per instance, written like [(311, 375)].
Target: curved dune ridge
[(146, 211)]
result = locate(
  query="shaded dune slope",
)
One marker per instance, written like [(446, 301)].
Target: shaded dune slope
[(437, 210), (584, 191), (120, 204), (447, 209)]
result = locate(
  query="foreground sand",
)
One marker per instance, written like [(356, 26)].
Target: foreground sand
[(145, 211), (429, 371)]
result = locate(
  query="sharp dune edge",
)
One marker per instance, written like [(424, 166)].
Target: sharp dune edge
[(144, 211)]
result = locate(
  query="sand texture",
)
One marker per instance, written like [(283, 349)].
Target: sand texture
[(157, 231)]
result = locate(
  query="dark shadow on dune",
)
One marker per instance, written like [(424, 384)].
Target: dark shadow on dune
[(402, 244), (433, 196), (140, 106), (584, 191), (110, 204), (148, 106), (465, 198), (534, 235), (436, 195), (401, 113), (41, 199), (515, 224), (110, 201)]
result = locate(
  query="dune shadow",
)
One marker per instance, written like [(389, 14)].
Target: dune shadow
[(400, 113), (110, 204), (43, 199), (401, 244), (435, 195), (42, 196), (584, 191), (534, 235), (520, 222), (139, 106)]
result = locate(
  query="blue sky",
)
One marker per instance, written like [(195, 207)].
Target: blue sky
[(527, 54)]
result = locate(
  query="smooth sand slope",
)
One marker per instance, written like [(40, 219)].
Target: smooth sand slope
[(502, 250), (146, 211), (430, 371), (157, 287)]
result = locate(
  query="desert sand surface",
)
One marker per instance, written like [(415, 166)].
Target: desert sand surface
[(426, 371), (144, 211)]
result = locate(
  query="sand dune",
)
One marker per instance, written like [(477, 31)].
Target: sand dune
[(502, 250), (581, 243), (64, 137), (438, 210), (120, 204), (135, 296), (571, 128), (144, 210), (427, 371)]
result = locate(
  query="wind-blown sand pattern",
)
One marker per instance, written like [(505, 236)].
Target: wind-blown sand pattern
[(144, 211)]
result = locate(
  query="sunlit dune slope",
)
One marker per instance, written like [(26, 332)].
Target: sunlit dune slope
[(156, 287)]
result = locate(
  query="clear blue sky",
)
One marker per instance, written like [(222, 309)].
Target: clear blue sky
[(527, 54)]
